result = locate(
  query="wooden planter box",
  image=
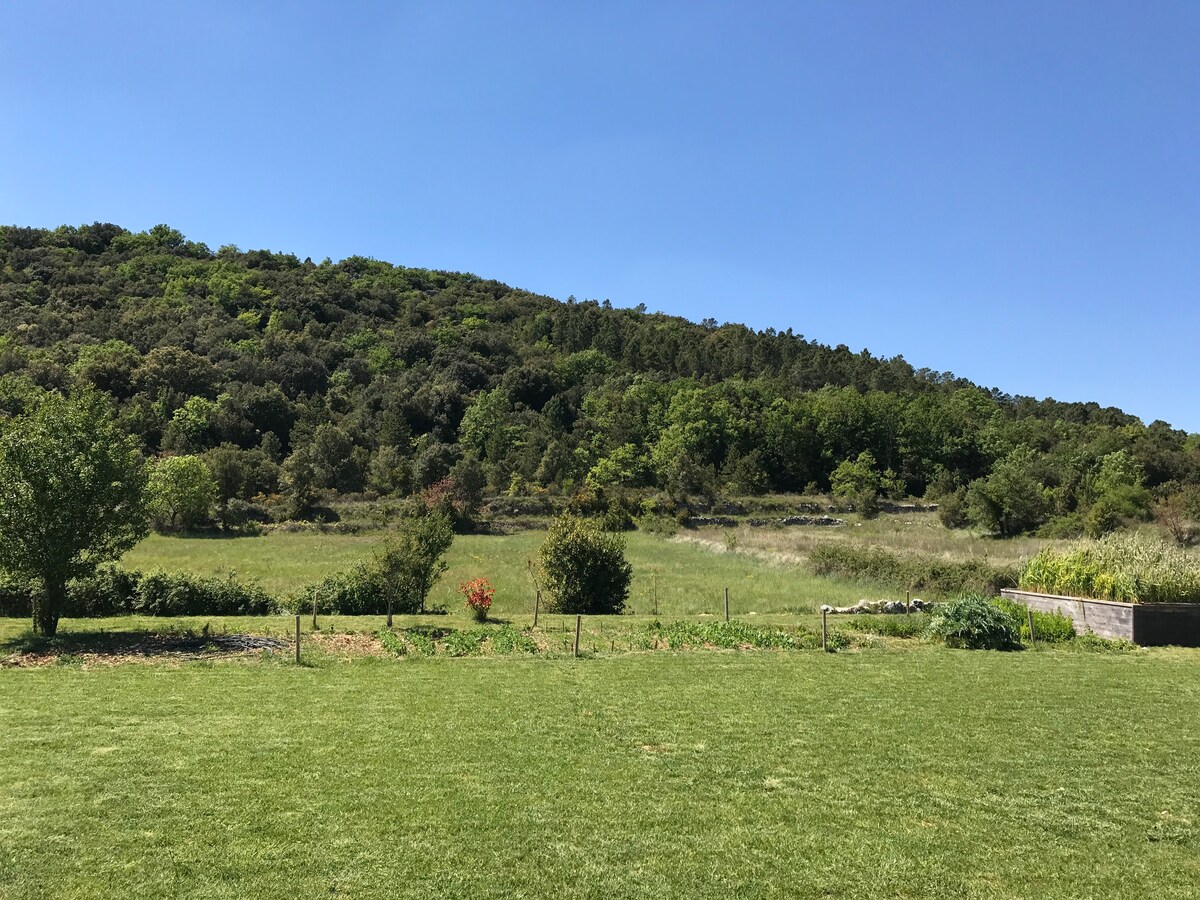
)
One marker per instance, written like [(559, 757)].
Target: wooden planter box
[(1148, 624)]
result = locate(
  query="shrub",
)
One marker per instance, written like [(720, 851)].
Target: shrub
[(974, 622), (584, 568), (952, 509), (176, 594), (479, 595), (1125, 567), (1012, 499), (111, 591), (357, 591), (927, 574)]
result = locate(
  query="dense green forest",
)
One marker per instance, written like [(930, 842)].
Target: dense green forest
[(294, 380)]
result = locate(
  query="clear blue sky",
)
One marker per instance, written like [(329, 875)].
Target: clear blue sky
[(1010, 191)]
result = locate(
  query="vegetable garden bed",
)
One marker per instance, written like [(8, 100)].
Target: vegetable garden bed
[(1148, 624)]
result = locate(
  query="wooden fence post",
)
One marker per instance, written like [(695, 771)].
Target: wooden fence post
[(824, 628), (578, 624), (314, 609), (1032, 636), (907, 602), (389, 610), (726, 604), (297, 640), (537, 603)]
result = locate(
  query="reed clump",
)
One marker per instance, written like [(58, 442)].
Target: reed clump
[(1127, 567)]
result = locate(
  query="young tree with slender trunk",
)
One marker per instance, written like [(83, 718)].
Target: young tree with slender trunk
[(72, 495)]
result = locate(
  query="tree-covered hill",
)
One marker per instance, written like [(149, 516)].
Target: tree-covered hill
[(292, 378)]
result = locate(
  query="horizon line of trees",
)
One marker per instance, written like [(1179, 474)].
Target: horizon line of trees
[(289, 380)]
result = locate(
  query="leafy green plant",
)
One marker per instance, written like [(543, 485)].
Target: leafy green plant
[(391, 643), (1048, 627), (911, 626), (420, 642), (403, 571), (837, 640), (974, 622), (465, 643), (508, 640), (727, 635)]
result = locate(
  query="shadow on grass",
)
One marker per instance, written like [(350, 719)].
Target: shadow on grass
[(141, 644)]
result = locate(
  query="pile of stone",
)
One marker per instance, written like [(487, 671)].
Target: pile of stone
[(871, 607)]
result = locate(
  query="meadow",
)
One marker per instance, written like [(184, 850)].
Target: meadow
[(671, 577)]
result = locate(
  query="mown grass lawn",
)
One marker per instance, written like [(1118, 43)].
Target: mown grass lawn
[(927, 773)]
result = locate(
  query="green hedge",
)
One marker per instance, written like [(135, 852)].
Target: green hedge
[(925, 574), (115, 592)]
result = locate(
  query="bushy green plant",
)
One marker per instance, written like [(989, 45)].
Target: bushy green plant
[(507, 640), (410, 562), (359, 590), (404, 570), (177, 594), (113, 591), (726, 635), (1011, 500), (391, 643), (465, 643), (584, 568), (1048, 627), (974, 622), (927, 574), (1131, 568)]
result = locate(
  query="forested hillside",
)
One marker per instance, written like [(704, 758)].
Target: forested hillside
[(292, 379)]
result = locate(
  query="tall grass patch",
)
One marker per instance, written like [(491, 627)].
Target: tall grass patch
[(1130, 568)]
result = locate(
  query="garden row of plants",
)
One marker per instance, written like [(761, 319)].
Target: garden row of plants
[(979, 622)]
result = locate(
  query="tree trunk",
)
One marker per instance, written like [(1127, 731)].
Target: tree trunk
[(54, 598)]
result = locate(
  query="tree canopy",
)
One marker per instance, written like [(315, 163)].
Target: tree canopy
[(307, 378), (72, 495)]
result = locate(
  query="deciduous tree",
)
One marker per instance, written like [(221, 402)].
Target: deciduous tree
[(72, 495)]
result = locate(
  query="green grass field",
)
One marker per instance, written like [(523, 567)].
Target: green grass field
[(898, 769), (688, 579), (929, 773)]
